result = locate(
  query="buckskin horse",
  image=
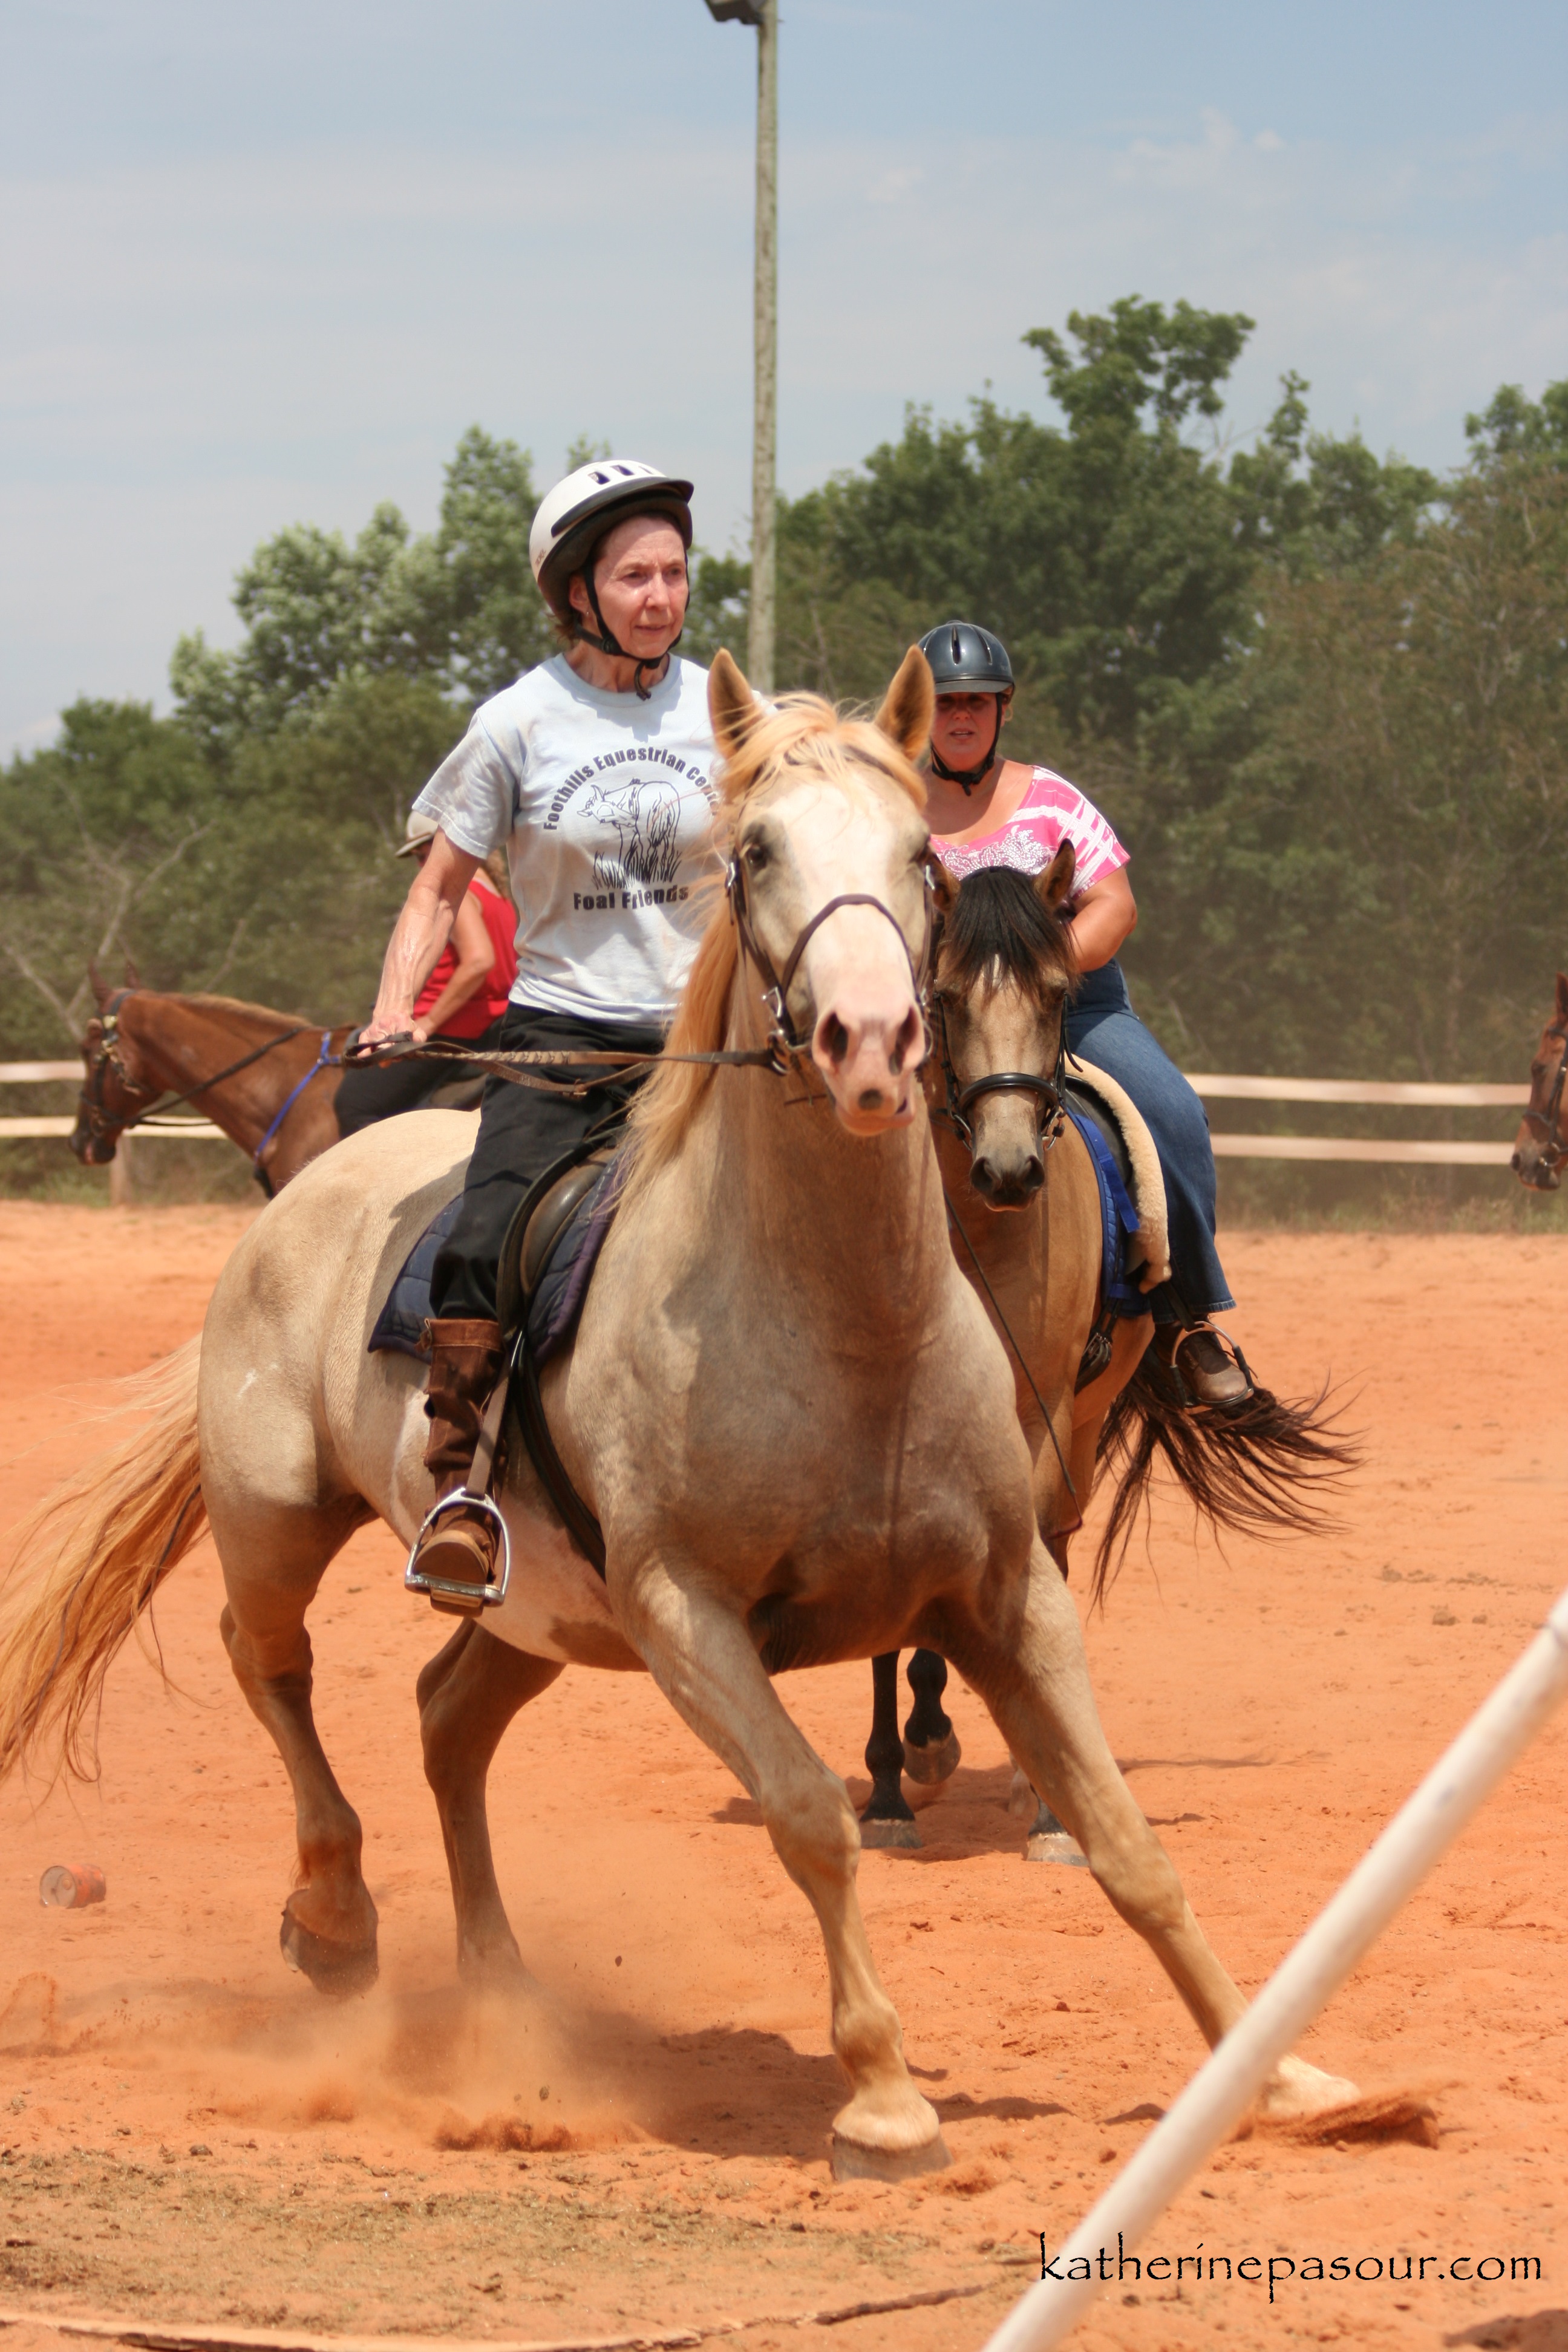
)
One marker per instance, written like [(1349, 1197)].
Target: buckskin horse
[(1022, 1201), (783, 1403), (1541, 1146)]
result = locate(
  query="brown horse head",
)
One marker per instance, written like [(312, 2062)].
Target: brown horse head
[(1005, 972), (1541, 1146), (113, 1090)]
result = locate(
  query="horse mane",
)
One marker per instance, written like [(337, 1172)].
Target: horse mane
[(999, 929), (798, 732)]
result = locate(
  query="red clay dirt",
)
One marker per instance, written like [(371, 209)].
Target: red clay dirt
[(188, 2133)]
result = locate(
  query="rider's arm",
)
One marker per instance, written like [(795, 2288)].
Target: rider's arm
[(1103, 918), (475, 952), (423, 929)]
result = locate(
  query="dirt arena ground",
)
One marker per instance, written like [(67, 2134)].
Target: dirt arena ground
[(188, 2134)]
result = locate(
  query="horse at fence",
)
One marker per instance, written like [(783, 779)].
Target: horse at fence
[(268, 1079), (783, 1404), (1091, 1392), (1541, 1147)]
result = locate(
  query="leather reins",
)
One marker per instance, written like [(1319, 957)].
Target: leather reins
[(1554, 1144)]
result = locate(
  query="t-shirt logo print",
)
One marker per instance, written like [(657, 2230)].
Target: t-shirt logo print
[(645, 817)]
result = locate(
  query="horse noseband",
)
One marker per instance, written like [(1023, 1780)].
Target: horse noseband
[(1049, 1093), (776, 984)]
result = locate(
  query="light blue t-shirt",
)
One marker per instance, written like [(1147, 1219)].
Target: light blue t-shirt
[(604, 806)]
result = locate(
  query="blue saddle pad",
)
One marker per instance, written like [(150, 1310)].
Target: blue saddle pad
[(557, 1302), (401, 1323), (1118, 1221)]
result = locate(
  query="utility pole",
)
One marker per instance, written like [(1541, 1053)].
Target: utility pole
[(763, 15)]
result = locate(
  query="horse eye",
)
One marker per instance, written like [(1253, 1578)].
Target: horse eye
[(755, 853)]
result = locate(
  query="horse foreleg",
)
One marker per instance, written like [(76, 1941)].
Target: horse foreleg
[(932, 1752), (328, 1926), (1036, 1684), (886, 1820), (467, 1694), (700, 1653)]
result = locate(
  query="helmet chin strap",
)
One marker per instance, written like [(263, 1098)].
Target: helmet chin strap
[(606, 642), (967, 778)]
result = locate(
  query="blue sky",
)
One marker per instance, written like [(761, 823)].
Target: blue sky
[(259, 266)]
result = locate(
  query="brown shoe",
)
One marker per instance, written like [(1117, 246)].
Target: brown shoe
[(1205, 1361), (461, 1547)]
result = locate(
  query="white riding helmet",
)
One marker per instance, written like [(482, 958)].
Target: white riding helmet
[(578, 511)]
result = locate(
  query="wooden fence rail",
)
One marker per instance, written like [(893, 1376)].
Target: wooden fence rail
[(1213, 1087)]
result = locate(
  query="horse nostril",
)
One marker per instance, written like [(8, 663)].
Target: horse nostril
[(983, 1176), (911, 1034), (1031, 1178), (834, 1038)]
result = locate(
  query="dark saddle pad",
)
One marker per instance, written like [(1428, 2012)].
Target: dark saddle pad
[(548, 1313), (1118, 1217)]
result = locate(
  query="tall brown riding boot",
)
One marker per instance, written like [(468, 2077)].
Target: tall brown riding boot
[(465, 1365)]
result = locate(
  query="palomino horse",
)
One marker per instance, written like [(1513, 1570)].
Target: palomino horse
[(783, 1403), (268, 1080), (1541, 1147), (1023, 1201)]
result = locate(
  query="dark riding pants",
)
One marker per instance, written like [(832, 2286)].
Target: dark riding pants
[(369, 1091), (520, 1132), (1102, 1026)]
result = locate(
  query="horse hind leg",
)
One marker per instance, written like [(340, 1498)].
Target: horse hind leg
[(932, 1752), (1035, 1684), (274, 1558), (467, 1694), (887, 1821)]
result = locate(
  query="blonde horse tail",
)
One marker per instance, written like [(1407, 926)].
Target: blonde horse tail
[(86, 1563)]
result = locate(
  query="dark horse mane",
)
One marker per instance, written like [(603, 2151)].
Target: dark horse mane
[(1000, 929)]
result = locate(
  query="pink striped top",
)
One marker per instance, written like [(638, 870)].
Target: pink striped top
[(1052, 811)]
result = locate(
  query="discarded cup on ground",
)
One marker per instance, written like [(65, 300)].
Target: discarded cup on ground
[(71, 1884)]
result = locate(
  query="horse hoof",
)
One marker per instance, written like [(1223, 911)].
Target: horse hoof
[(902, 1834), (933, 1764), (339, 1968), (851, 2161), (1055, 1845)]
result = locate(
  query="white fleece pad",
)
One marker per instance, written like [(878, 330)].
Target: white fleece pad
[(1148, 1182)]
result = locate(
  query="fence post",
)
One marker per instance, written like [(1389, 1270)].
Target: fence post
[(121, 1176)]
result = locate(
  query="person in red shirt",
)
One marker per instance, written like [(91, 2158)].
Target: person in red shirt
[(465, 995)]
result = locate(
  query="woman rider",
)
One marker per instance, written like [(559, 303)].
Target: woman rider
[(593, 770), (988, 810), (466, 994)]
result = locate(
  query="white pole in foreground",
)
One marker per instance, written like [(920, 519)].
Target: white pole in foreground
[(1222, 2090)]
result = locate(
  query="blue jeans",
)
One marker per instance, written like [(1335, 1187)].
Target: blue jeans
[(1102, 1026)]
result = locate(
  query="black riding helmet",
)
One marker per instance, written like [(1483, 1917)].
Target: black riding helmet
[(967, 659)]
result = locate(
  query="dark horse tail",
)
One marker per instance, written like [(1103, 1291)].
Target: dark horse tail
[(1256, 1468)]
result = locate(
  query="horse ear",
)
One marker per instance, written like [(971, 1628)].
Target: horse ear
[(1054, 887), (1563, 996), (133, 978), (945, 889), (731, 706), (101, 988), (909, 705)]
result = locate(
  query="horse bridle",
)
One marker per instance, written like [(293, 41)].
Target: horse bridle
[(102, 1124), (784, 1041), (1554, 1143), (1049, 1094)]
